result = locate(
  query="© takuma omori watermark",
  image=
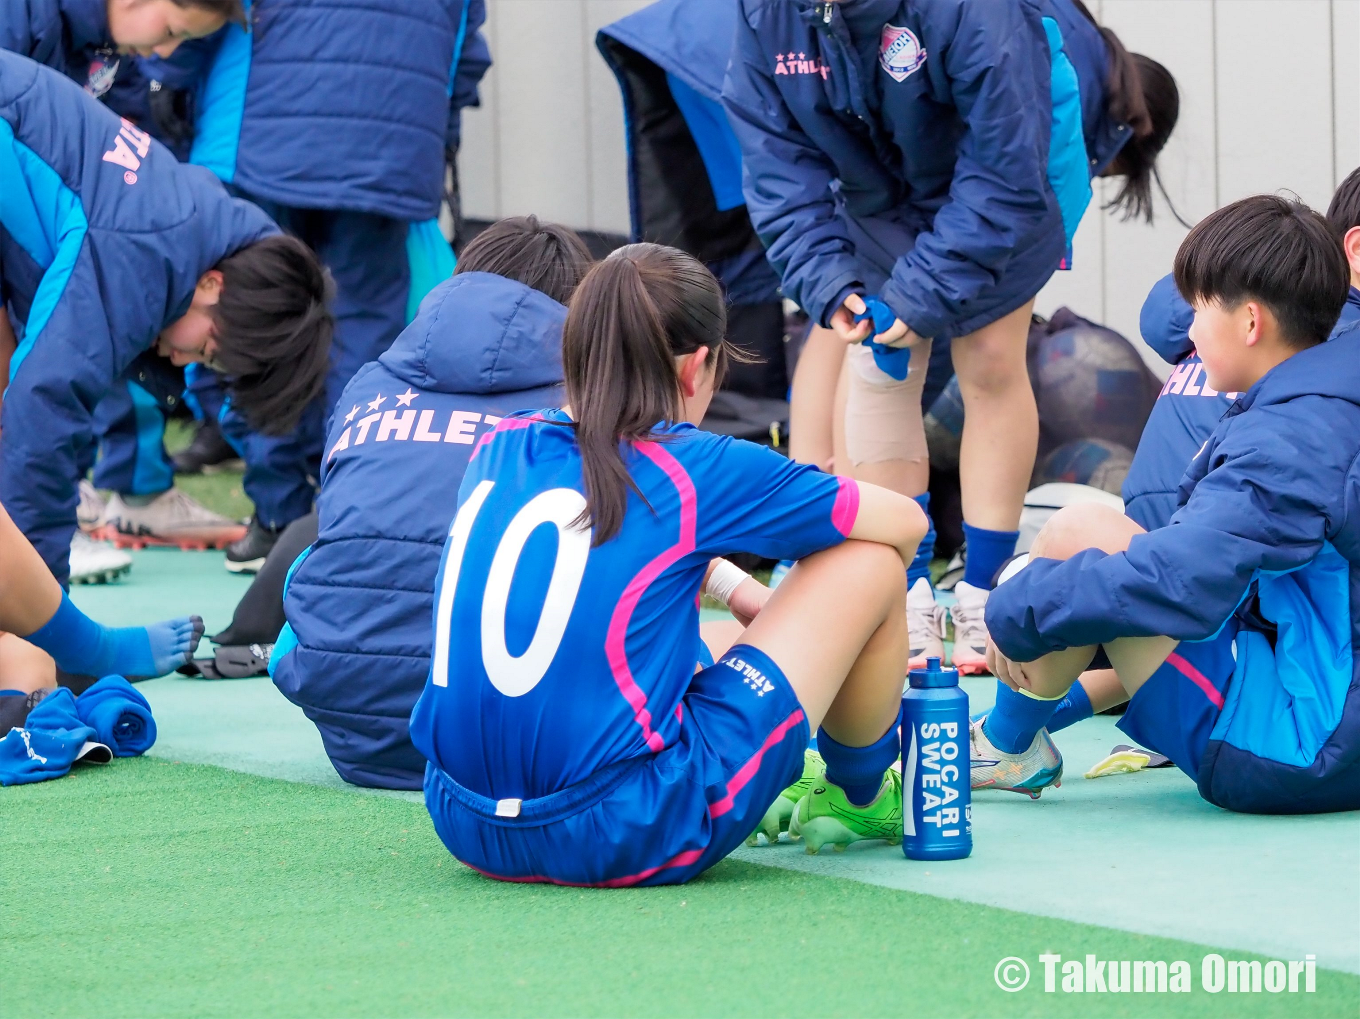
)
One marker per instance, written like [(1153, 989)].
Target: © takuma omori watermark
[(1159, 976)]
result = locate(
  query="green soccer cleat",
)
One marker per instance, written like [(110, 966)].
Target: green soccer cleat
[(825, 817), (776, 818)]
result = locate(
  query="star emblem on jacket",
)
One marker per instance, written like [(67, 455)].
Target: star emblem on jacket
[(352, 411), (404, 399), (377, 402)]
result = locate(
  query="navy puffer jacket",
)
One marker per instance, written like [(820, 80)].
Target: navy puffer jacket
[(338, 104), (360, 600), (940, 123)]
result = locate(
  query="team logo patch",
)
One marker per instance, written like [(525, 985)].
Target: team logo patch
[(900, 52), (102, 72)]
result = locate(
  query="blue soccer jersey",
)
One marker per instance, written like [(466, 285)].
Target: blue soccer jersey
[(553, 659)]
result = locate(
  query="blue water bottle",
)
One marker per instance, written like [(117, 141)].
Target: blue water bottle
[(937, 802)]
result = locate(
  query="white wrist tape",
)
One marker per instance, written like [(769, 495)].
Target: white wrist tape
[(725, 578)]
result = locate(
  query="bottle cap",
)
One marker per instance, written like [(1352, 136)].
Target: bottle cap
[(933, 675)]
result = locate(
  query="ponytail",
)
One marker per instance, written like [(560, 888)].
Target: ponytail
[(632, 315), (1143, 94)]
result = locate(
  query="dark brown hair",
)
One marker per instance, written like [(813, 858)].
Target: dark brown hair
[(1274, 250), (550, 258), (233, 10), (1143, 94), (274, 330), (632, 315), (1344, 212)]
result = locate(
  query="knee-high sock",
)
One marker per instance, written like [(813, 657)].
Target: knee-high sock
[(859, 770), (1071, 709), (82, 646), (1016, 717), (987, 550), (925, 552)]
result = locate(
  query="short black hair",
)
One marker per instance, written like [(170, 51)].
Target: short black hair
[(546, 256), (1344, 212), (1274, 250), (274, 330)]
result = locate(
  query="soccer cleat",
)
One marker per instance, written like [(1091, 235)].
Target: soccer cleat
[(248, 553), (970, 629), (208, 453), (90, 509), (824, 817), (1029, 772), (172, 518), (777, 817), (94, 562), (925, 624)]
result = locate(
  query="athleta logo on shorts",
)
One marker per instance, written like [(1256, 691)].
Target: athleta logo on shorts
[(900, 52), (750, 675), (798, 63), (128, 139)]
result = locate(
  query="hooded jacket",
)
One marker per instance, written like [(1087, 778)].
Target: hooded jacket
[(360, 600), (967, 122), (1269, 521), (1187, 409), (103, 237)]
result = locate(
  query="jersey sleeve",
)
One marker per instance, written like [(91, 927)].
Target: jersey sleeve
[(759, 502)]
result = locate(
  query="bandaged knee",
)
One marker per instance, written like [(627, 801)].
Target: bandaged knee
[(882, 415)]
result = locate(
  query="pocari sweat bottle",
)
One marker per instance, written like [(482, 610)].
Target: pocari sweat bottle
[(937, 807)]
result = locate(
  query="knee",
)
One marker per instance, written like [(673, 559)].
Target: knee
[(991, 367), (1086, 525), (876, 568)]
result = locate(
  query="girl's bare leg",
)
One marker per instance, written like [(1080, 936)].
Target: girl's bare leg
[(24, 667), (844, 654), (812, 401), (1001, 422)]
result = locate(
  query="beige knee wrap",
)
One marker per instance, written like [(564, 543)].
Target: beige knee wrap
[(882, 415)]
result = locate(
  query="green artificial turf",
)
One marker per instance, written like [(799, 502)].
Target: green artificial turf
[(153, 888)]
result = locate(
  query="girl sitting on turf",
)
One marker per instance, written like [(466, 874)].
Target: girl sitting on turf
[(578, 729)]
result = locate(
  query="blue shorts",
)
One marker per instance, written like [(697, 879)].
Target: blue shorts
[(1174, 712), (651, 820)]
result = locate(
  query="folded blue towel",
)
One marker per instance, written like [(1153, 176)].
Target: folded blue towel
[(119, 714), (110, 718), (49, 743), (894, 361)]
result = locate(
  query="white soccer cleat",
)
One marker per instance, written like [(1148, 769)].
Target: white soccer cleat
[(96, 562), (172, 518), (1029, 772), (90, 509), (970, 629), (925, 624)]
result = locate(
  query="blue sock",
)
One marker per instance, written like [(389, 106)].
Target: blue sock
[(859, 770), (1015, 718), (1071, 709), (987, 550), (82, 646), (925, 552)]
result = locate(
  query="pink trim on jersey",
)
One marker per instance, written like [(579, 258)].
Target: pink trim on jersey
[(504, 425), (678, 860), (748, 770), (632, 594), (1198, 678), (846, 507)]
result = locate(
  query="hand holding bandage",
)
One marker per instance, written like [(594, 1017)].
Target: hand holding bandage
[(891, 340)]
